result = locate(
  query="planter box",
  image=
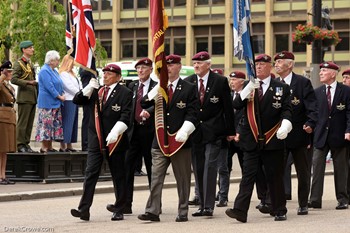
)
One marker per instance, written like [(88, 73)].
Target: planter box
[(50, 168)]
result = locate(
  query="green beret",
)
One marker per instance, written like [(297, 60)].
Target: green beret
[(25, 44)]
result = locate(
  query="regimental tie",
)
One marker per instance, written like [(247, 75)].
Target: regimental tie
[(170, 92), (260, 91), (329, 98), (201, 91), (105, 94), (138, 108)]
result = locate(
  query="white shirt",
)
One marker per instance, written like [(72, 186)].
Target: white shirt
[(205, 80), (333, 87), (145, 86), (288, 78), (71, 85), (174, 83)]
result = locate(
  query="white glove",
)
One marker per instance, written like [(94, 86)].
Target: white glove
[(117, 130), (93, 84), (249, 88), (153, 93), (284, 129), (186, 129)]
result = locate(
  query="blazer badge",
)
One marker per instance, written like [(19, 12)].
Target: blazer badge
[(116, 108), (181, 105), (276, 105), (295, 101), (214, 99), (341, 107)]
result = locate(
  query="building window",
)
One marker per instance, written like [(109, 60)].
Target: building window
[(344, 43), (134, 43), (282, 42), (94, 5), (210, 39), (210, 2), (175, 41), (106, 4), (135, 4), (259, 44), (128, 4)]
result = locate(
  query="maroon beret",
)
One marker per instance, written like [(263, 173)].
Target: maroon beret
[(263, 58), (144, 61), (237, 74), (218, 71), (6, 65), (201, 56), (329, 65), (284, 55), (346, 72), (173, 59), (112, 68)]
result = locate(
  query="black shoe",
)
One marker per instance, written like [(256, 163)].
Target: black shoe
[(3, 182), (30, 150), (238, 215), (198, 213), (194, 201), (221, 204), (117, 217), (281, 217), (217, 197), (258, 206), (9, 181), (52, 150), (71, 150), (303, 211), (314, 205), (288, 197), (43, 151), (265, 209), (208, 212), (181, 218), (149, 217), (127, 210), (22, 149), (83, 215), (62, 150), (111, 208), (341, 206)]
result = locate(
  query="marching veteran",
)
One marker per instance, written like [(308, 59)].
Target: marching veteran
[(7, 119), (181, 118), (24, 78), (109, 119)]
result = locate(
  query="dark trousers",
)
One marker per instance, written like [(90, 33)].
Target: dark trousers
[(92, 172), (206, 157), (341, 168), (140, 146), (273, 162), (302, 159), (84, 128), (234, 149), (26, 115)]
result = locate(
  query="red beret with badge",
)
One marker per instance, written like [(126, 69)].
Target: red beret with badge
[(218, 71), (112, 68), (346, 72), (237, 74), (284, 55), (201, 56), (173, 59), (144, 61), (263, 58), (329, 65)]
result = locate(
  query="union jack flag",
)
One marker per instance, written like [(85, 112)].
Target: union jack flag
[(241, 35), (80, 35)]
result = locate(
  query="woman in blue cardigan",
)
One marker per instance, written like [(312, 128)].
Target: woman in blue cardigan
[(50, 99)]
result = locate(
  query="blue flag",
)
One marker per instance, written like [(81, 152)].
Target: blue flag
[(241, 35)]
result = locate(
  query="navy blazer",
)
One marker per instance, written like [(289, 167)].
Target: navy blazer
[(184, 106), (133, 86), (274, 107), (304, 107), (216, 115), (117, 108), (332, 126)]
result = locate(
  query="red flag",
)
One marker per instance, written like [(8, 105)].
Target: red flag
[(159, 23), (80, 35)]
